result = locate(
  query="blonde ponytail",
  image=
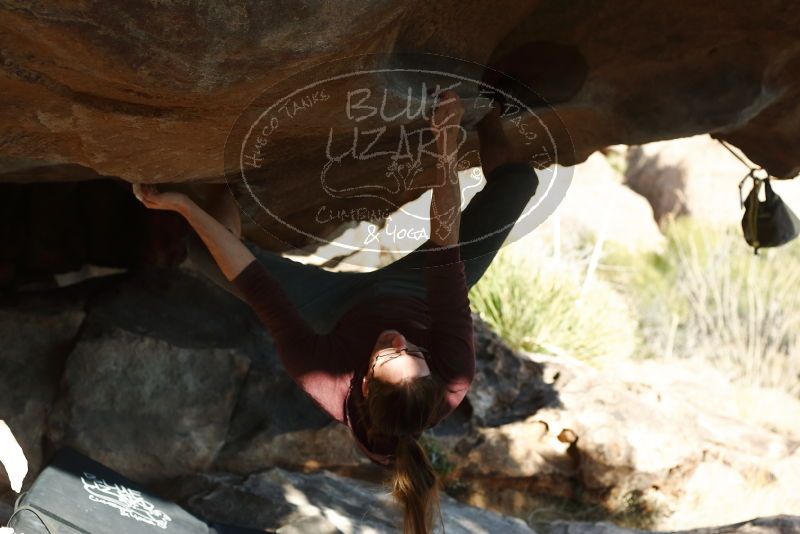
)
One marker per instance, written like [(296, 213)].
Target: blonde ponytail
[(402, 411), (414, 484)]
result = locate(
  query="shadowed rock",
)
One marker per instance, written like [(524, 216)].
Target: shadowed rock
[(320, 503), (161, 375)]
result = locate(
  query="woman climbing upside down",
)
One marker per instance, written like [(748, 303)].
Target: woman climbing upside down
[(388, 353)]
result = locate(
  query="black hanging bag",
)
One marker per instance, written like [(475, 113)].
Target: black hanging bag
[(767, 223)]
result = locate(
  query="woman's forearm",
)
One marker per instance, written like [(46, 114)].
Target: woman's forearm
[(446, 200), (231, 255)]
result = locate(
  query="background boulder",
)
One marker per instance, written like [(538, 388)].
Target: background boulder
[(654, 431), (695, 176), (598, 208)]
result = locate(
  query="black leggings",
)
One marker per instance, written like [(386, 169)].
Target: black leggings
[(321, 296)]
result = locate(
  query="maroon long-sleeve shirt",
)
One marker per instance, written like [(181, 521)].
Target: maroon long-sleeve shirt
[(329, 367)]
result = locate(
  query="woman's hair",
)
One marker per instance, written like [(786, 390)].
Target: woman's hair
[(402, 411)]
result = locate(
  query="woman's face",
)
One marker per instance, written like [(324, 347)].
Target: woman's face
[(394, 359)]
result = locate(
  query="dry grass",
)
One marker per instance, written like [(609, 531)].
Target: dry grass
[(708, 296), (544, 306)]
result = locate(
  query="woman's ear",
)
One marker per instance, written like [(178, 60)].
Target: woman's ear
[(364, 387)]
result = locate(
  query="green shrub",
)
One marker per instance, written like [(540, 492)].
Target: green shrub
[(536, 305)]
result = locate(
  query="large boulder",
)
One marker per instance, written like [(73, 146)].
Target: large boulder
[(99, 86), (153, 378), (663, 433), (157, 374), (148, 408), (598, 206), (37, 335), (149, 93), (161, 374), (318, 503)]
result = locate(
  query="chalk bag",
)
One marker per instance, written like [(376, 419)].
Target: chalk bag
[(768, 222)]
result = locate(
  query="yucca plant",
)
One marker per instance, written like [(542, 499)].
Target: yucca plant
[(707, 296), (537, 305)]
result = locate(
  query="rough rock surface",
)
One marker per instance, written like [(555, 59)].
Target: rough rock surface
[(664, 433), (184, 397), (100, 86), (160, 375), (320, 503), (36, 335), (150, 93), (599, 206)]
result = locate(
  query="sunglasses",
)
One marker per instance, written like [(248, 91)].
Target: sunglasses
[(387, 355)]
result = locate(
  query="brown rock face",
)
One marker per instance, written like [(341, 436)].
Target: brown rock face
[(150, 92), (164, 94)]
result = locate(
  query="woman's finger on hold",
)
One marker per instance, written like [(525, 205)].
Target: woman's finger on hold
[(147, 201)]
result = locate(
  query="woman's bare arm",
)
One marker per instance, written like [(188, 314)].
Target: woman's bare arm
[(316, 362), (446, 201), (227, 250)]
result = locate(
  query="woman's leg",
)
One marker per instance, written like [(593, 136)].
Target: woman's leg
[(487, 220), (491, 215)]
